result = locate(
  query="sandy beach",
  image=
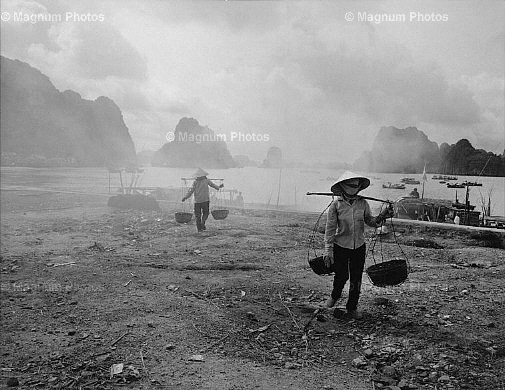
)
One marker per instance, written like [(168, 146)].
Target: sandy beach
[(85, 287)]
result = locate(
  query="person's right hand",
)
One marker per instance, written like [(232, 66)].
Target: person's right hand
[(388, 212), (328, 260), (183, 199)]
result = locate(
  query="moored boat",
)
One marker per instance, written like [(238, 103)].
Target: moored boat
[(472, 183), (444, 177), (435, 210), (396, 186), (410, 180)]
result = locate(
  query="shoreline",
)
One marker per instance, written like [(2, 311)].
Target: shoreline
[(309, 168), (260, 209), (167, 185)]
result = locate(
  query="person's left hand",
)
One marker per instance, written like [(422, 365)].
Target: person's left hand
[(221, 185)]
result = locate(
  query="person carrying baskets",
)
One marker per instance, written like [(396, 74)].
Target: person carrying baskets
[(345, 249), (200, 189)]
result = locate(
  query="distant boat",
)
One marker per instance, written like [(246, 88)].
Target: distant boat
[(444, 177), (442, 182), (394, 186), (410, 180), (455, 185), (472, 183)]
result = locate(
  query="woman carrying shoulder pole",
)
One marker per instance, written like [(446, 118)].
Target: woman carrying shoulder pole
[(345, 248)]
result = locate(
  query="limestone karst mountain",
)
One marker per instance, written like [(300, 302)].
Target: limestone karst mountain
[(194, 146), (41, 126), (407, 150)]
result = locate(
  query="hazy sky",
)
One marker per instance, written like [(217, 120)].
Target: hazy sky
[(318, 85)]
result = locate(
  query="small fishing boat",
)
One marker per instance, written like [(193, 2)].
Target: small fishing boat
[(410, 180), (444, 177), (455, 185), (472, 183), (396, 186)]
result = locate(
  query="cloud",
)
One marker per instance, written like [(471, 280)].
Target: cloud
[(233, 16), (386, 85), (90, 50), (296, 70), (100, 51), (489, 94), (17, 37)]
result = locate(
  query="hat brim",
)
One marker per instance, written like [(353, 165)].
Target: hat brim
[(200, 173), (363, 183)]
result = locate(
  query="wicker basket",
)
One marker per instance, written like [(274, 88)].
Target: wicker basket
[(388, 273), (220, 214), (319, 267), (183, 217)]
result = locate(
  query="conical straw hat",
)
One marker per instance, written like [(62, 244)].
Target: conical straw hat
[(199, 173), (347, 175)]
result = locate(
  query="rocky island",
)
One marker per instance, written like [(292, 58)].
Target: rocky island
[(192, 145), (41, 126), (408, 150)]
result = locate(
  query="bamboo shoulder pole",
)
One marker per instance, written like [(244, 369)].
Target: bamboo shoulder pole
[(364, 197)]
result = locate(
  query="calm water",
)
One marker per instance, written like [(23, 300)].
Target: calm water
[(257, 185)]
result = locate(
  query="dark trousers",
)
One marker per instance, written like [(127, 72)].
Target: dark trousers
[(348, 262), (201, 214)]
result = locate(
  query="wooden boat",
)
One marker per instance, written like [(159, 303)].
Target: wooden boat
[(434, 210), (472, 183), (410, 180), (455, 185), (444, 177), (394, 186)]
